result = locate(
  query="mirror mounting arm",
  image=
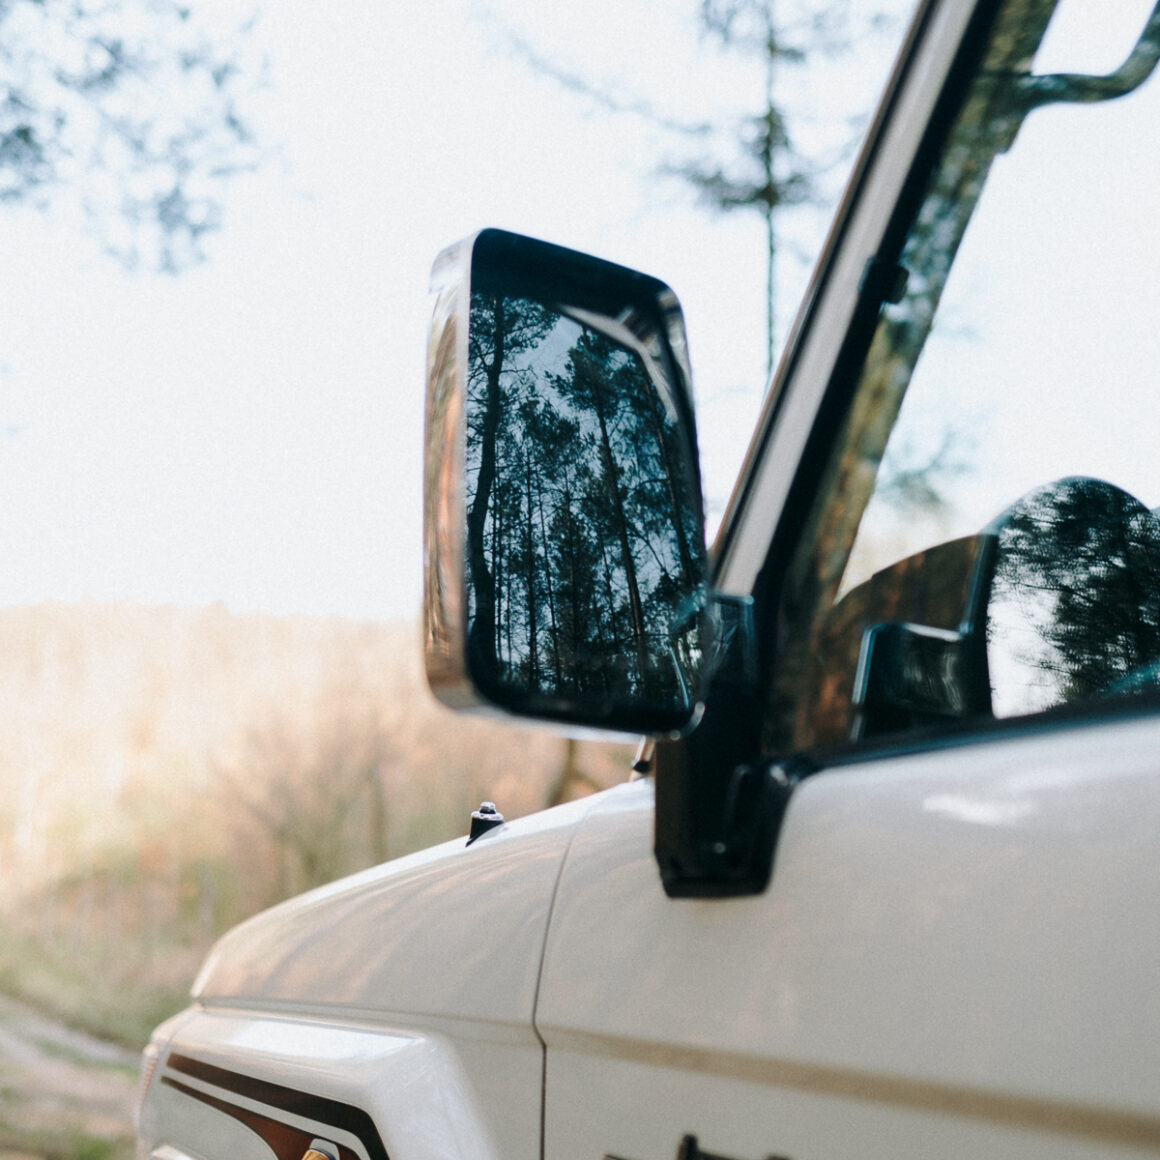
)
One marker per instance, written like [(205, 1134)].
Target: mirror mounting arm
[(717, 826), (719, 806)]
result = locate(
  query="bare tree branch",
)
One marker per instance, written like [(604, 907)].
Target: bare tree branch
[(131, 110), (575, 83)]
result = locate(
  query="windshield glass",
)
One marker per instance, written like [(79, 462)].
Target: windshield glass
[(1021, 363)]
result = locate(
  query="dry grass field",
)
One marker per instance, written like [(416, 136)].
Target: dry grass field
[(165, 772)]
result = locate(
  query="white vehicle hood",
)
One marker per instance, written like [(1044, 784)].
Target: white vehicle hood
[(455, 930)]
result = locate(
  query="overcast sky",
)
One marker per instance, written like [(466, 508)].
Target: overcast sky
[(250, 431)]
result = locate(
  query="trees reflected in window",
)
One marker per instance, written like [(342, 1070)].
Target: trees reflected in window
[(1074, 611)]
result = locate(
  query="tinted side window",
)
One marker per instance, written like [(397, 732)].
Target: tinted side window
[(984, 542)]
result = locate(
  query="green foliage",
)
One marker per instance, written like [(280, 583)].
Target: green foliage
[(62, 1144), (117, 1003), (86, 1147)]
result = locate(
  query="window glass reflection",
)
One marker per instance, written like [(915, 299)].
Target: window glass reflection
[(1008, 404), (1075, 601)]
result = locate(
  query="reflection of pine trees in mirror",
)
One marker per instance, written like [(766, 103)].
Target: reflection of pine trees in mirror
[(1075, 604), (582, 533), (500, 331)]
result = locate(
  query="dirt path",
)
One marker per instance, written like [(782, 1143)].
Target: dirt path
[(63, 1095)]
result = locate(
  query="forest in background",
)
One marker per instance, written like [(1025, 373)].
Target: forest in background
[(166, 772)]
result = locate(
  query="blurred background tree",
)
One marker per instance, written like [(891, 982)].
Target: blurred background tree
[(751, 161), (765, 172), (131, 111)]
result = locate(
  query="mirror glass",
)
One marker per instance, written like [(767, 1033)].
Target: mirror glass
[(1075, 600), (584, 543)]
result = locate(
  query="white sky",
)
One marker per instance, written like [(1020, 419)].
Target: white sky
[(250, 432)]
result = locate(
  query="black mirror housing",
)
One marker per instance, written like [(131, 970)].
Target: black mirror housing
[(563, 528)]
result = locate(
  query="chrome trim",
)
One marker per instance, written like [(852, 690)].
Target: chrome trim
[(444, 570)]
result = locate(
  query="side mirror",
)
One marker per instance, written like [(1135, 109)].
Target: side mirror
[(1074, 612), (564, 534), (1055, 602)]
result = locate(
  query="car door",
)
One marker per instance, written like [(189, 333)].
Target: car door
[(947, 527), (956, 957)]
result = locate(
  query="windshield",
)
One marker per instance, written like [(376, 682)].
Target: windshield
[(1024, 356)]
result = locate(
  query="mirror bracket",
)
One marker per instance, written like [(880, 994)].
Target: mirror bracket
[(719, 807), (717, 830)]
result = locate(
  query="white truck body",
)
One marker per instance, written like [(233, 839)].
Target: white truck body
[(854, 1009), (956, 953)]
